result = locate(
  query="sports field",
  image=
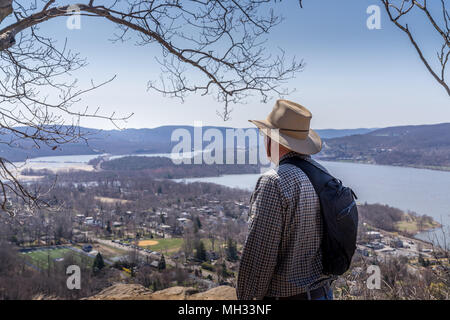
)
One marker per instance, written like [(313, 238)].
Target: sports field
[(173, 245), (169, 244), (147, 243), (41, 257)]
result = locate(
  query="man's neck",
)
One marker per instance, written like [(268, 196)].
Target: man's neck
[(281, 153), (292, 154)]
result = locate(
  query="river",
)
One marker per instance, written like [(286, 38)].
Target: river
[(420, 190)]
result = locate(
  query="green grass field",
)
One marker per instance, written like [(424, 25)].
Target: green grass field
[(413, 226), (40, 258), (172, 245), (167, 244)]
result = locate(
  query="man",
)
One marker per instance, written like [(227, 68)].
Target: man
[(282, 253)]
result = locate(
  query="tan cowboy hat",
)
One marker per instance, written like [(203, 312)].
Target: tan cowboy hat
[(292, 121)]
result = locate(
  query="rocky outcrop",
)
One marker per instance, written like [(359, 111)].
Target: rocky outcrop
[(137, 292), (217, 293), (122, 291), (173, 293), (44, 297)]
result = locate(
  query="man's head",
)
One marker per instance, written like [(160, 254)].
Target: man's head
[(287, 129), (274, 150)]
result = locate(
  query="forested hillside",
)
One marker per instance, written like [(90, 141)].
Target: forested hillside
[(419, 146), (422, 146), (93, 141)]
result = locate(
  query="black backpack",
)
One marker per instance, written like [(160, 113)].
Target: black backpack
[(339, 215)]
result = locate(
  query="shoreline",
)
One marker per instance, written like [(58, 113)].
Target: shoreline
[(107, 156), (423, 167), (429, 231)]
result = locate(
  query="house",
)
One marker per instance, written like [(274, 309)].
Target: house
[(363, 252), (87, 248), (212, 255), (397, 243), (79, 237), (375, 246), (155, 255), (184, 221), (388, 250), (161, 213), (241, 205), (374, 235)]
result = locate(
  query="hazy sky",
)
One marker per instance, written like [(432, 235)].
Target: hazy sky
[(354, 77)]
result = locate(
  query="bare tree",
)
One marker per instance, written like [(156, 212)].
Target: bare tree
[(440, 22), (209, 47)]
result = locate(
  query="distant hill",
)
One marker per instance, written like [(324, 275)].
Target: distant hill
[(336, 133), (157, 140), (421, 146)]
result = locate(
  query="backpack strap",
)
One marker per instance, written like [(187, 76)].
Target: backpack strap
[(318, 177)]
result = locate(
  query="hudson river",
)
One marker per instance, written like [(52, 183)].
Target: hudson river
[(420, 190)]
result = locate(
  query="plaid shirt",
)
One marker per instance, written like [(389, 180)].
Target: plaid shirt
[(282, 254)]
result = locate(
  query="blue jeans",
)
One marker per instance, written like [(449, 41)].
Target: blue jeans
[(328, 296)]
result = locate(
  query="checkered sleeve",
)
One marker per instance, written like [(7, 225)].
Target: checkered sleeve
[(259, 256)]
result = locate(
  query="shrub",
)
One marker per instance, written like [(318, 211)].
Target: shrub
[(207, 266)]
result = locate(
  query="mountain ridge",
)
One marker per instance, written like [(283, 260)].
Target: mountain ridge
[(126, 141), (426, 146)]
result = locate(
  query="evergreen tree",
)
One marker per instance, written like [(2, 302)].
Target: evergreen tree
[(231, 250), (162, 263), (195, 228), (224, 271), (423, 262), (108, 227), (99, 264), (157, 284), (198, 222), (200, 251)]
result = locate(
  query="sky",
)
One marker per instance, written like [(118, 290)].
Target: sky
[(354, 77)]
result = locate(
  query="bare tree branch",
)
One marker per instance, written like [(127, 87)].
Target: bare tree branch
[(6, 9), (210, 47), (397, 9)]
